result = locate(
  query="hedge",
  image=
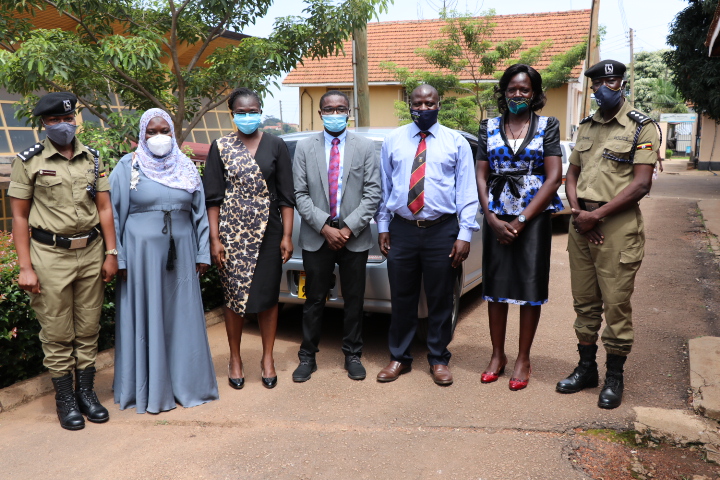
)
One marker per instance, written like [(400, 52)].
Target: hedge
[(20, 350)]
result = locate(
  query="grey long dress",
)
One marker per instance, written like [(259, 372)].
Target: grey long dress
[(162, 356)]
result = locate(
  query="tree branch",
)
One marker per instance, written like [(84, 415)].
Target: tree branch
[(126, 77), (214, 33), (202, 112)]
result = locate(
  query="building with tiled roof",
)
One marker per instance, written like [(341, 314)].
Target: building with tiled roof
[(397, 42)]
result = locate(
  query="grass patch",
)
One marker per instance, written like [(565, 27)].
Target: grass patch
[(162, 422), (623, 437)]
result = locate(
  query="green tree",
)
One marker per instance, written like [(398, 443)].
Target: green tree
[(654, 91), (466, 51), (696, 75), (133, 48)]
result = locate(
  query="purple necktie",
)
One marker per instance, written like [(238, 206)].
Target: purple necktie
[(333, 174)]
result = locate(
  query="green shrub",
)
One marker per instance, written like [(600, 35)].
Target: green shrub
[(20, 353), (668, 153), (211, 289)]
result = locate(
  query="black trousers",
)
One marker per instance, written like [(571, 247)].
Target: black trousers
[(421, 254), (319, 267)]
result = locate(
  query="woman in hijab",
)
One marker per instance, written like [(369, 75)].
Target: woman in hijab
[(162, 356)]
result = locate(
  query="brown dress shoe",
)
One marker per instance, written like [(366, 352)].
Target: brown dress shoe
[(441, 374), (392, 371)]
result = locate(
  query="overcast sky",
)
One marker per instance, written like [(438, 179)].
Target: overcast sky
[(650, 19)]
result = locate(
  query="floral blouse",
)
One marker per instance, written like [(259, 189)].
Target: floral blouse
[(515, 178)]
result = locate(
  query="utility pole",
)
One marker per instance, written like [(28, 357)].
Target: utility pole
[(281, 120), (592, 57), (360, 64), (632, 70)]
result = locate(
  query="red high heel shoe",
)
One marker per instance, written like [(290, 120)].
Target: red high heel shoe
[(516, 384), (490, 377)]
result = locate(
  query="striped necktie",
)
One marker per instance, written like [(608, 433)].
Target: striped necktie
[(333, 176), (416, 194)]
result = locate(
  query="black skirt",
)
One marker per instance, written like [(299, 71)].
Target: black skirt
[(520, 272)]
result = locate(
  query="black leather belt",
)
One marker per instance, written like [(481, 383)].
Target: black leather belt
[(589, 206), (71, 243), (426, 223)]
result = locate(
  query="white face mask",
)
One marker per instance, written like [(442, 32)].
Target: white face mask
[(160, 145)]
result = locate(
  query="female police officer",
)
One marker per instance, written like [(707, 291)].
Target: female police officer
[(59, 195)]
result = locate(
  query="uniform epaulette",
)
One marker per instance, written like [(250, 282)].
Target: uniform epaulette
[(586, 119), (93, 151), (639, 117), (26, 155)]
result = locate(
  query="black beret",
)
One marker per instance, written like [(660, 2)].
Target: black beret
[(56, 103), (606, 68)]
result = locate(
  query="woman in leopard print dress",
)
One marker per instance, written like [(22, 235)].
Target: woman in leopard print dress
[(250, 199)]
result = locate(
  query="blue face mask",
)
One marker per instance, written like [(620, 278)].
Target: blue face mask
[(607, 98), (518, 104), (247, 123), (335, 123)]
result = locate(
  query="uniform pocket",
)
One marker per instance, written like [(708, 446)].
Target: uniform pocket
[(48, 189), (617, 149), (583, 145), (632, 254)]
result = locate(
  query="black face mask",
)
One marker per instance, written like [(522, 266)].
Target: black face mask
[(424, 119)]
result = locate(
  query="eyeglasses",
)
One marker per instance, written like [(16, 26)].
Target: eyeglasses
[(331, 110)]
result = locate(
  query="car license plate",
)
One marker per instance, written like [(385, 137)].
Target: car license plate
[(301, 285)]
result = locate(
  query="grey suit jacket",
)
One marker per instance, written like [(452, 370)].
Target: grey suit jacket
[(361, 190)]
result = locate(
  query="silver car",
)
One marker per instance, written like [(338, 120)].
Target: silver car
[(377, 286), (567, 148)]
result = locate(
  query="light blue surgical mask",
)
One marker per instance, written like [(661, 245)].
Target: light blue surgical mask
[(247, 123), (335, 123)]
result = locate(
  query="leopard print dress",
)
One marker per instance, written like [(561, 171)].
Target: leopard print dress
[(243, 219)]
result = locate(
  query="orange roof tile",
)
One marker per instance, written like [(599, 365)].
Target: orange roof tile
[(397, 42)]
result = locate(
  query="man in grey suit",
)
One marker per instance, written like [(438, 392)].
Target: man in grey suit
[(337, 191)]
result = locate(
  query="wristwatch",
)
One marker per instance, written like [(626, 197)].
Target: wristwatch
[(521, 218), (111, 252)]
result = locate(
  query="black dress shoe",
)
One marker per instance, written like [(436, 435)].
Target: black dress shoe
[(354, 367), (236, 383), (268, 382), (304, 371)]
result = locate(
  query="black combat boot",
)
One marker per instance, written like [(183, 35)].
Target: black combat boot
[(86, 397), (67, 407), (612, 391), (585, 374)]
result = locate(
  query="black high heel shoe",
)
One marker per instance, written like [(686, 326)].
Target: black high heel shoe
[(268, 382), (236, 383)]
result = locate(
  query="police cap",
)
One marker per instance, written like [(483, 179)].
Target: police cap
[(56, 103), (606, 68)]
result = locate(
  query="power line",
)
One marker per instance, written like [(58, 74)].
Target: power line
[(622, 15)]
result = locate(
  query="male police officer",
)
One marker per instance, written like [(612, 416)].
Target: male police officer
[(610, 171), (59, 195)]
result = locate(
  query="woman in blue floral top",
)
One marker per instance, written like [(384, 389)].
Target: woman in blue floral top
[(519, 170)]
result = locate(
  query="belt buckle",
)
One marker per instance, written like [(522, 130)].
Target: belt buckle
[(78, 242), (419, 224), (592, 206)]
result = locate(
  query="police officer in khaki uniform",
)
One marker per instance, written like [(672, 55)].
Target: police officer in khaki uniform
[(59, 195), (610, 171)]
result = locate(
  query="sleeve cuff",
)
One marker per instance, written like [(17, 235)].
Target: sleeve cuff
[(465, 235), (205, 258), (20, 190), (383, 226)]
